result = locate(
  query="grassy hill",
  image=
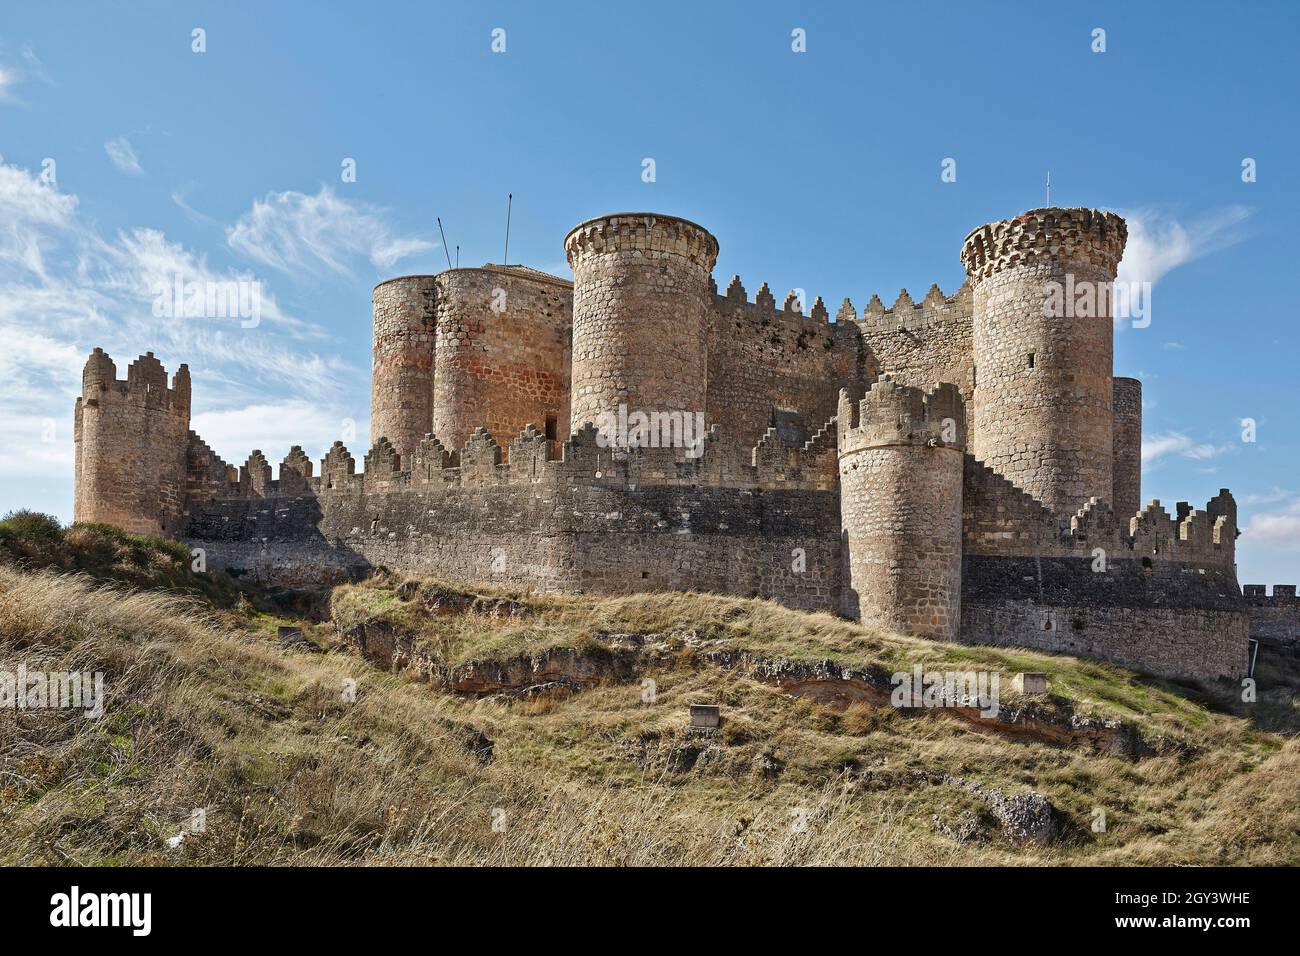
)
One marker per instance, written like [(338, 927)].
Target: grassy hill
[(498, 727)]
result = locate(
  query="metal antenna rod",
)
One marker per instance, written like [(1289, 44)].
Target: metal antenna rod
[(445, 251), (1049, 188), (457, 255), (510, 201)]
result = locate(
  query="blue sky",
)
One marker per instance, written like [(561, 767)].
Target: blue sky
[(817, 170)]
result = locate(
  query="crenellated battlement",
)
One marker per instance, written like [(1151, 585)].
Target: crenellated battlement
[(894, 414), (906, 315), (784, 329), (1284, 595), (1062, 235), (641, 232), (145, 383), (533, 458)]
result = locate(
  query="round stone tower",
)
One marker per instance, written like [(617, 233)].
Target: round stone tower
[(1127, 468), (401, 378), (901, 457), (640, 284), (130, 440), (501, 358), (1042, 343)]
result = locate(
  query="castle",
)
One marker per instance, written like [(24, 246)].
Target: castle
[(965, 467)]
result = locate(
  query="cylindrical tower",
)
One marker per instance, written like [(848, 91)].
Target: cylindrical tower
[(501, 361), (131, 439), (1042, 344), (901, 456), (401, 376), (1127, 467), (640, 283)]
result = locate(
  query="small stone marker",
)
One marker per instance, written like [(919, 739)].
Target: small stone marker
[(1029, 683), (706, 716)]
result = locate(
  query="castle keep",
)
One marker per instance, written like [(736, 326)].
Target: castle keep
[(964, 467)]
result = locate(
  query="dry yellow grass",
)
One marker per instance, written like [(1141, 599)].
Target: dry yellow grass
[(204, 714)]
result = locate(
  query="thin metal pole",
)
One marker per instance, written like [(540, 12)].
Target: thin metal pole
[(445, 251), (510, 202)]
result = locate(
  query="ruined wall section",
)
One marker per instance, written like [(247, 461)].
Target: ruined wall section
[(402, 364), (762, 360), (502, 356), (131, 439)]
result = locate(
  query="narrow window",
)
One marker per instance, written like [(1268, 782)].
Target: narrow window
[(1031, 359), (550, 428)]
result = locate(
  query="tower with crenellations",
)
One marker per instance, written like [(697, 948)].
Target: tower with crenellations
[(1042, 343), (130, 441), (901, 456), (961, 466)]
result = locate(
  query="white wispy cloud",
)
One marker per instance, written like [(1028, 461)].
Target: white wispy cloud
[(1162, 445), (1158, 242), (305, 235), (122, 155)]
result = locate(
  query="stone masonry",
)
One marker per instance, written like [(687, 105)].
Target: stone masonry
[(963, 467)]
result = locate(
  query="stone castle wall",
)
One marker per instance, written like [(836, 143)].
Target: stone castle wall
[(921, 343), (594, 519), (761, 359), (1170, 618), (1274, 618)]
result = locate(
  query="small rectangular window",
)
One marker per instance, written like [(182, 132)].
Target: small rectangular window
[(550, 428), (1031, 359)]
